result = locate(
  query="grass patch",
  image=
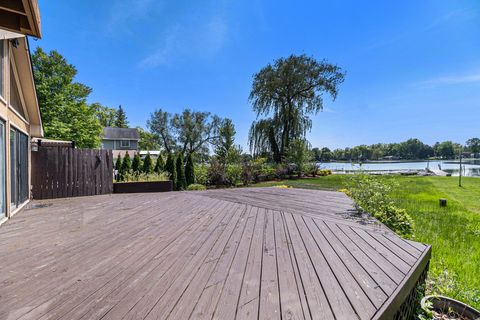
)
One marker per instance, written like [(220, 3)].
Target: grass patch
[(453, 231)]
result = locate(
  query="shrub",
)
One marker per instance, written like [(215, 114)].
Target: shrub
[(190, 170), (147, 164), (216, 173), (136, 163), (126, 166), (196, 186), (299, 154), (143, 177), (159, 164), (181, 182), (201, 174), (324, 172), (371, 195), (170, 169), (233, 174), (118, 167), (247, 173)]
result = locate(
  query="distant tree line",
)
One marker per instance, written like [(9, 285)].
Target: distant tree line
[(412, 149)]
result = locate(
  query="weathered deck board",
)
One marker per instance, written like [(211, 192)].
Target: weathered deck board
[(224, 254)]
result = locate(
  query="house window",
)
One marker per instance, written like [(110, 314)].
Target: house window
[(15, 100), (2, 170), (2, 68), (125, 143), (18, 167)]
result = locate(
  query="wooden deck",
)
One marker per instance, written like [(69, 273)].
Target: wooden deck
[(225, 254)]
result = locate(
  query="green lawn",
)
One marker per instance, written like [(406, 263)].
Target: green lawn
[(453, 232)]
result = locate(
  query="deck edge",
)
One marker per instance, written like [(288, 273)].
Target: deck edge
[(393, 304)]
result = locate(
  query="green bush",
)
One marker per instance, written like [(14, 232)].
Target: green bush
[(196, 187), (233, 174), (324, 172), (371, 195), (201, 174)]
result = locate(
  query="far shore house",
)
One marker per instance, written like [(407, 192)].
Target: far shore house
[(120, 141), (19, 111)]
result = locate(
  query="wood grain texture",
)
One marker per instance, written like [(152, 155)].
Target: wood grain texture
[(223, 254)]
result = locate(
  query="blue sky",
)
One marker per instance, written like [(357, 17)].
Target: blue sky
[(413, 67)]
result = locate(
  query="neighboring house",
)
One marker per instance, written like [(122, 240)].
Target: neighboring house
[(120, 140), (19, 111)]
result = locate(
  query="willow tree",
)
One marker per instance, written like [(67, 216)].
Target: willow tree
[(284, 96)]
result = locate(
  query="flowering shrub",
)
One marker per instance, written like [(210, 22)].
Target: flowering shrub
[(282, 186), (371, 195)]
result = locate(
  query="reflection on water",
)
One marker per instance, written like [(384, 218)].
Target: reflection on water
[(470, 167)]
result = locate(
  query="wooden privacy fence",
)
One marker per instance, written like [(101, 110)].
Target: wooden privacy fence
[(60, 172)]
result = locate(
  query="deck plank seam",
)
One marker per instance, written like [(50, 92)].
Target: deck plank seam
[(358, 262), (331, 270), (246, 264), (346, 267), (314, 269), (368, 256), (295, 267), (368, 235)]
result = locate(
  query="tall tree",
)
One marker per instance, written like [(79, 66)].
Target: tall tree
[(160, 125), (186, 132), (170, 168), (225, 148), (126, 165), (445, 149), (105, 115), (118, 168), (190, 170), (136, 163), (63, 102), (148, 141), (181, 181), (147, 164), (473, 145), (159, 164), (121, 118), (287, 93)]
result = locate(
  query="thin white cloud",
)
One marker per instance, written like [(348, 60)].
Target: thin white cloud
[(451, 80), (463, 14), (125, 12), (196, 37)]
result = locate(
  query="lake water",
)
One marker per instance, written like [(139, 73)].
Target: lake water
[(470, 167)]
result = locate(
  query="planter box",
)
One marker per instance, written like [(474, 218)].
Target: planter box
[(140, 187)]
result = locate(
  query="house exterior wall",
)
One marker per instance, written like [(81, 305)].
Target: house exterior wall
[(11, 118), (117, 145)]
